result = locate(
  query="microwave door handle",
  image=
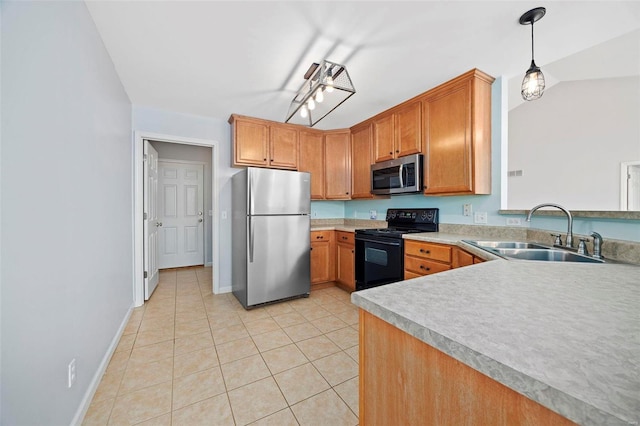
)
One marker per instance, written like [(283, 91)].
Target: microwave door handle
[(401, 175)]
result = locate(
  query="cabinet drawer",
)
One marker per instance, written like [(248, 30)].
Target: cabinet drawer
[(321, 235), (423, 266), (345, 237), (428, 251)]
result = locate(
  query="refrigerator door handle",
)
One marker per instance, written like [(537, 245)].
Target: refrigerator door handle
[(251, 237)]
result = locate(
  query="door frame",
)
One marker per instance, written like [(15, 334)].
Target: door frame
[(138, 192), (624, 190)]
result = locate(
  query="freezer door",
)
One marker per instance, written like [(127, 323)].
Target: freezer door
[(278, 257), (278, 192)]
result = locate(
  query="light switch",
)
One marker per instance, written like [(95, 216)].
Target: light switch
[(224, 214)]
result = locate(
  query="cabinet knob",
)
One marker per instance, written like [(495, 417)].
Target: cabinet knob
[(424, 251), (390, 152), (426, 268), (264, 159), (352, 251), (347, 193), (397, 151)]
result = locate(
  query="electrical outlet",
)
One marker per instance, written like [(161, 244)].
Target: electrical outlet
[(514, 221), (480, 217), (467, 209), (71, 373), (373, 214), (314, 214)]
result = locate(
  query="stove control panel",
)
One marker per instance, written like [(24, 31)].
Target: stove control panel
[(412, 216)]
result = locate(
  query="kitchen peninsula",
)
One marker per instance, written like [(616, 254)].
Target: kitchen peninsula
[(565, 336)]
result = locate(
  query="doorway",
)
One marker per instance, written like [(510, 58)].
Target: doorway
[(630, 186), (138, 220)]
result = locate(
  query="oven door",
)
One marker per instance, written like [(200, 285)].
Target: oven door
[(379, 260)]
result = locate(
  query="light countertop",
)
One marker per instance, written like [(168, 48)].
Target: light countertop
[(566, 335)]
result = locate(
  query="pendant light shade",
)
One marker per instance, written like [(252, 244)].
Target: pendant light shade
[(533, 82)]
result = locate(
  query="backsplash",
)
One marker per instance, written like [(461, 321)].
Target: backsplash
[(624, 251)]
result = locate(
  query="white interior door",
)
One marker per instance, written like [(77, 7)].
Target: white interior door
[(181, 200), (151, 222)]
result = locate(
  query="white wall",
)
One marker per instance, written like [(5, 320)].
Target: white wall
[(570, 143), (66, 260), (190, 126), (174, 151)]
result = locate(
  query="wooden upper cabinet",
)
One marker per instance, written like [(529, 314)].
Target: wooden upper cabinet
[(398, 133), (408, 128), (457, 122), (311, 159), (283, 152), (337, 150), (383, 139), (251, 142), (361, 160), (264, 143)]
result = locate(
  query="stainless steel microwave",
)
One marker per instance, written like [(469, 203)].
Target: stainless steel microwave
[(400, 176)]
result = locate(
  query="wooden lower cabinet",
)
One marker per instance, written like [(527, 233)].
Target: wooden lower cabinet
[(424, 258), (322, 257), (404, 381), (345, 259)]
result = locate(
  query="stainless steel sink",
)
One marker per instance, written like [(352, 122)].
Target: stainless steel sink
[(530, 251), (550, 255), (507, 244)]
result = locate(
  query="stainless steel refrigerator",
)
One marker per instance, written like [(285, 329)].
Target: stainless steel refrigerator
[(270, 234)]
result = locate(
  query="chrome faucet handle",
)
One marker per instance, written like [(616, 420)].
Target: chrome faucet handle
[(582, 247), (597, 245), (558, 241)]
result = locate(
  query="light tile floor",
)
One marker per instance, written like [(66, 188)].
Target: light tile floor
[(189, 357)]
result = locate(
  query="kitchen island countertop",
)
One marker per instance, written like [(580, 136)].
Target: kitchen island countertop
[(565, 335)]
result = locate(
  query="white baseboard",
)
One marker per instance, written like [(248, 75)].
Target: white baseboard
[(224, 290), (208, 264), (97, 377)]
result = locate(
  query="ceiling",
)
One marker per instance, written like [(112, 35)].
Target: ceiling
[(215, 58)]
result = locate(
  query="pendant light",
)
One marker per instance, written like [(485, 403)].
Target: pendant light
[(327, 85), (533, 82)]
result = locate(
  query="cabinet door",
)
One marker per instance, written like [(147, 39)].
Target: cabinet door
[(251, 141), (383, 139), (408, 130), (461, 258), (311, 159), (323, 256), (448, 159), (283, 152), (337, 165), (361, 163), (346, 265)]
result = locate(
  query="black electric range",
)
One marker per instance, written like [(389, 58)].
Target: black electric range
[(380, 252)]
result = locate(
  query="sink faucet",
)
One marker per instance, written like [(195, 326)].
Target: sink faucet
[(569, 242)]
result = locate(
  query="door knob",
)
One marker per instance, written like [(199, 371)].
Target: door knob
[(200, 220), (158, 224)]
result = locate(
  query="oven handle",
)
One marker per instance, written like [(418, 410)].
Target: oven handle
[(385, 242)]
